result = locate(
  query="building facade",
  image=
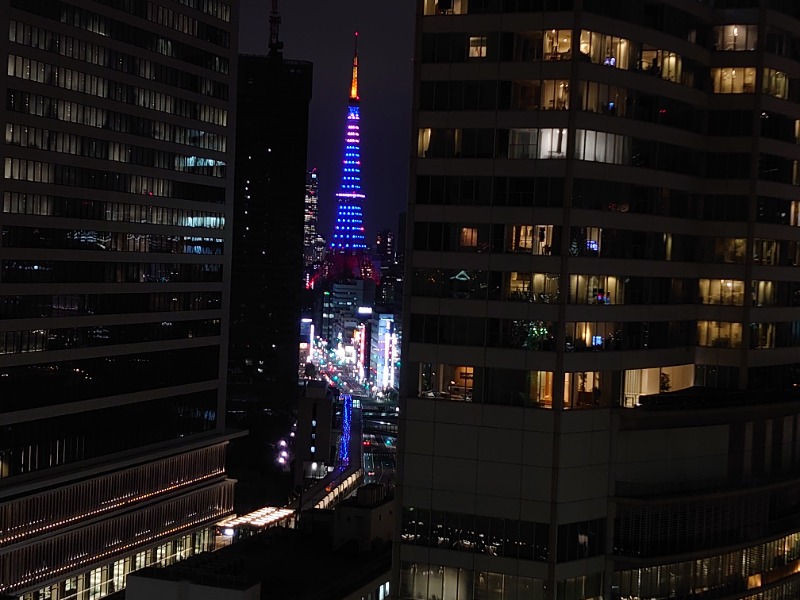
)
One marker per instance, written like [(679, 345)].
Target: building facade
[(114, 279), (600, 349), (313, 241), (266, 288)]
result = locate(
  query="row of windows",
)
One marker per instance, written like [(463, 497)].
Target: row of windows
[(686, 526), (108, 241), (670, 20), (556, 45), (726, 334), (77, 112), (742, 80), (599, 195), (75, 305), (63, 271), (592, 389), (601, 242), (80, 145), (449, 583), (100, 210), (478, 534), (143, 38), (172, 19), (536, 335), (463, 7), (80, 547), (216, 8), (600, 98), (44, 172), (46, 443), (50, 41), (78, 81), (104, 580), (599, 146), (43, 340), (723, 574), (31, 386), (185, 24), (29, 515), (543, 288), (545, 94)]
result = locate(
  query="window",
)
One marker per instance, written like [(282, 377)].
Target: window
[(533, 239), (599, 146), (460, 387), (533, 287), (454, 382), (596, 289), (776, 83), (607, 50), (469, 237), (661, 63), (555, 94), (445, 7), (603, 98), (541, 388), (552, 143), (735, 37), (557, 44), (523, 143), (95, 579), (477, 46), (719, 334), (737, 80), (728, 292)]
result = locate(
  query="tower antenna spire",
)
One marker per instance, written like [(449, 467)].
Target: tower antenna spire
[(354, 82), (275, 45)]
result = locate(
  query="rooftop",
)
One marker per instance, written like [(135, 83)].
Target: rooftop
[(290, 564)]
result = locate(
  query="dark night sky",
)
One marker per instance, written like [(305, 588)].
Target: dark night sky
[(321, 31)]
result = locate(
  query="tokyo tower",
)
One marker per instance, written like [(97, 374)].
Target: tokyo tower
[(348, 257)]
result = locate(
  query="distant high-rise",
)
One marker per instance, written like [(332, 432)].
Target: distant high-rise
[(600, 361), (114, 284), (384, 247), (313, 243), (271, 141)]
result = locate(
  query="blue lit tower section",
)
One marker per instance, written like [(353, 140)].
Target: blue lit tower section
[(348, 233), (348, 258)]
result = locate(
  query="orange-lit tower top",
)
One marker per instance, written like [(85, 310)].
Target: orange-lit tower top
[(354, 82)]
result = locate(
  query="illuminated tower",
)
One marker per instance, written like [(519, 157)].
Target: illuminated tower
[(348, 233), (348, 258)]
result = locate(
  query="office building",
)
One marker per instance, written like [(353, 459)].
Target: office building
[(384, 248), (114, 278), (267, 281), (384, 351), (313, 242), (600, 358)]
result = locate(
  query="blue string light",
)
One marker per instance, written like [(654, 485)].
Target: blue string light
[(344, 445)]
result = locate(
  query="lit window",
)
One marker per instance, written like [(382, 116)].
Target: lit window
[(469, 237), (477, 46), (776, 83), (740, 80), (735, 37)]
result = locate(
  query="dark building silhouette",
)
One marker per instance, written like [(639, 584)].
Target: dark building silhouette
[(600, 363), (114, 279), (270, 180)]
